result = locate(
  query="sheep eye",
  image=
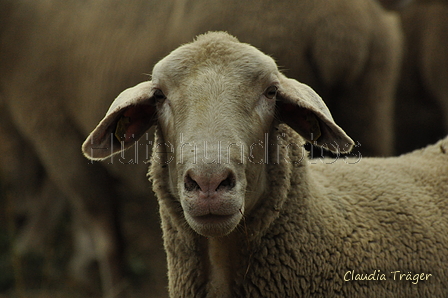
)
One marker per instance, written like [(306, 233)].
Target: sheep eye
[(158, 95), (271, 92)]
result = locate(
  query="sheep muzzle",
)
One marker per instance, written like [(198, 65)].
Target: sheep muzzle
[(212, 199)]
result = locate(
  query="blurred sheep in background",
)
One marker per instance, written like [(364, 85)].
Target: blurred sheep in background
[(422, 102), (63, 62)]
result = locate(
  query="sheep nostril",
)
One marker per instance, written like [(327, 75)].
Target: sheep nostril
[(227, 183), (209, 182), (190, 184)]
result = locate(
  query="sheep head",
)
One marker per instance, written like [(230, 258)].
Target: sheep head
[(213, 100)]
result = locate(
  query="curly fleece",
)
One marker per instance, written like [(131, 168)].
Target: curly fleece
[(319, 221)]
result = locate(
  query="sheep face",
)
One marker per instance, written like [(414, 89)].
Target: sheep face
[(215, 101)]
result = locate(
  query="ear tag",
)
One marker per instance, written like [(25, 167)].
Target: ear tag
[(122, 127), (314, 127)]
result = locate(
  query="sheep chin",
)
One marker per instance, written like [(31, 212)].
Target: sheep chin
[(213, 225)]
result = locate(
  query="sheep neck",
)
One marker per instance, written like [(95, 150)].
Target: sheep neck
[(221, 259), (212, 267)]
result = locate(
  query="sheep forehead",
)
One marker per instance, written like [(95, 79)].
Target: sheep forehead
[(216, 52)]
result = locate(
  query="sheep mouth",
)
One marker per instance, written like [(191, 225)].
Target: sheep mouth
[(213, 218), (214, 225)]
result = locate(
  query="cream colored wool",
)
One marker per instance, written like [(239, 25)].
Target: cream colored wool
[(316, 220), (320, 221)]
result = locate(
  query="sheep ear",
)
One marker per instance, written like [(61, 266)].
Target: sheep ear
[(131, 114), (304, 111)]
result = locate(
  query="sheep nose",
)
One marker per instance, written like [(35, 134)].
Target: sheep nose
[(209, 182)]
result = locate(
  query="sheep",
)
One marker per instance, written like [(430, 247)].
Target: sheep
[(245, 213), (53, 67), (423, 85), (348, 51), (39, 202), (395, 4), (62, 61)]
